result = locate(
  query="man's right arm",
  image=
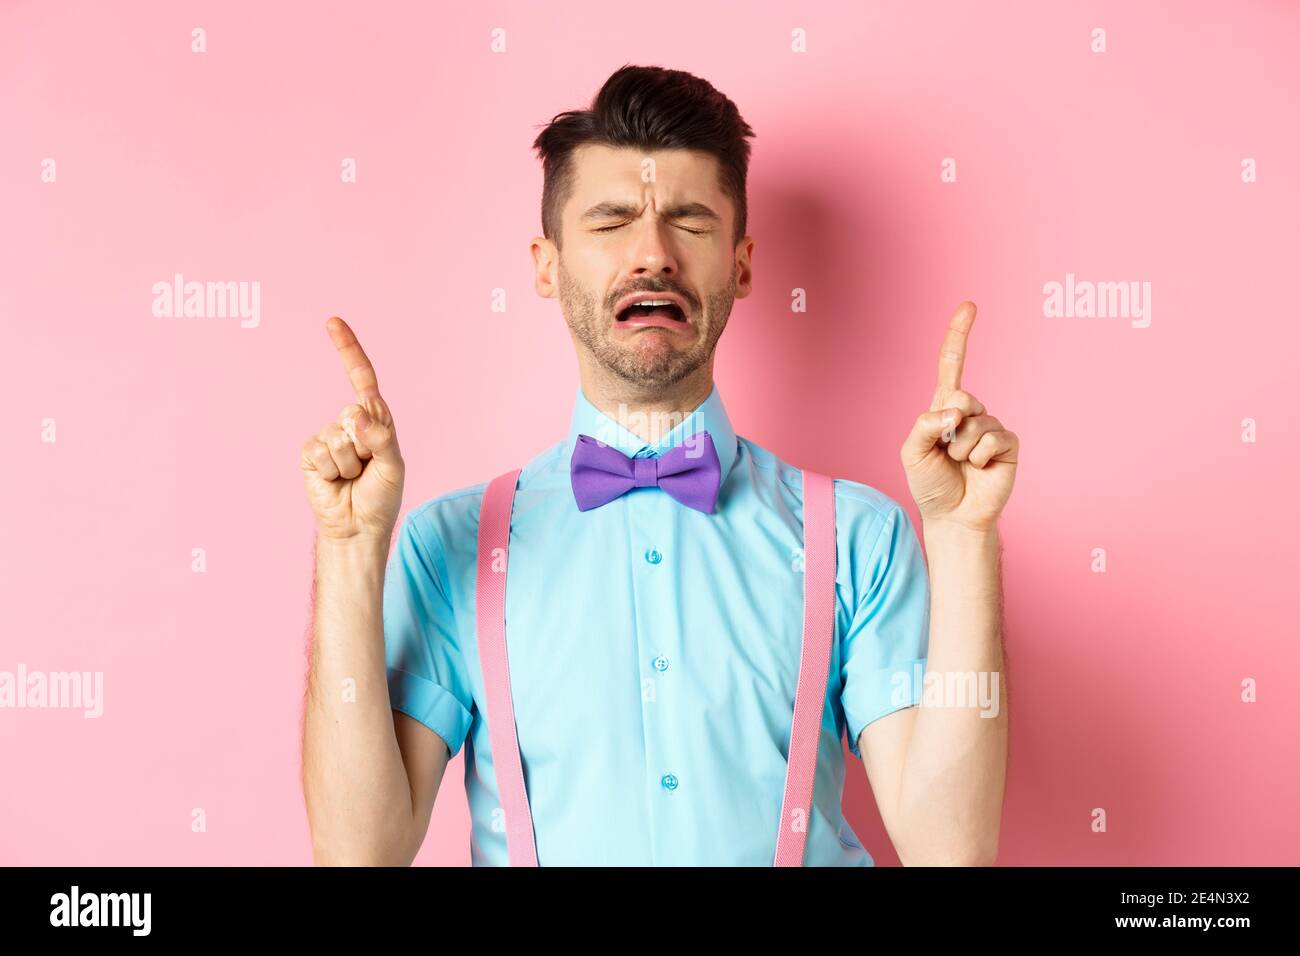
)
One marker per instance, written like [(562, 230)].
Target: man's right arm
[(370, 773)]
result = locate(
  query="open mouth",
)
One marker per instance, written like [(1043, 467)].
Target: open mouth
[(649, 308)]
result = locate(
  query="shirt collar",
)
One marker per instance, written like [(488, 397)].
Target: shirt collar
[(709, 416)]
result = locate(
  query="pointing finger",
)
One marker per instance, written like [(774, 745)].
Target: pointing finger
[(952, 356), (360, 372)]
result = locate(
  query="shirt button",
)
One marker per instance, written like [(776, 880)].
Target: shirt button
[(661, 663), (653, 556), (669, 781)]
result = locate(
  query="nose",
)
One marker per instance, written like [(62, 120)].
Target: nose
[(651, 253)]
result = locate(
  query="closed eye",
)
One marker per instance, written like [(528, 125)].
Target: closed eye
[(694, 232)]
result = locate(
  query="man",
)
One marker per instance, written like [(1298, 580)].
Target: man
[(654, 638)]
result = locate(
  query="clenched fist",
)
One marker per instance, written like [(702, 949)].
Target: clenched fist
[(352, 467)]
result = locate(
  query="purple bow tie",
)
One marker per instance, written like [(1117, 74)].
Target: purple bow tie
[(690, 472)]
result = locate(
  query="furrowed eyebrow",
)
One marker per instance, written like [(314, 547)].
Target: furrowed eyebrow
[(613, 209)]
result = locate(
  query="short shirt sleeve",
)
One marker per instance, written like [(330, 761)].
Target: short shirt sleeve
[(883, 655), (427, 678)]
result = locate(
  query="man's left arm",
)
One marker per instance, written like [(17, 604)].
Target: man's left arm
[(939, 772)]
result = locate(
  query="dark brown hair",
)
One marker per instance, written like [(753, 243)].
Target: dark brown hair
[(647, 107)]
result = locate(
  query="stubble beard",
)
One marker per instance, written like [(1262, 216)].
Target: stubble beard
[(643, 364)]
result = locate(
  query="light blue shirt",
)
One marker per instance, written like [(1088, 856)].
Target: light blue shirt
[(654, 652)]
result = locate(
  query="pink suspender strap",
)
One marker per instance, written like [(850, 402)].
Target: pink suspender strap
[(493, 551), (810, 692), (814, 663)]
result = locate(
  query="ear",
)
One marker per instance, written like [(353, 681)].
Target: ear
[(546, 261), (744, 268)]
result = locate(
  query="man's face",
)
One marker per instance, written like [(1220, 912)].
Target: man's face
[(647, 222)]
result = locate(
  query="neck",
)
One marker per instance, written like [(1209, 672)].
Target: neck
[(650, 413)]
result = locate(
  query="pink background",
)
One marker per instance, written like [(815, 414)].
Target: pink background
[(180, 433)]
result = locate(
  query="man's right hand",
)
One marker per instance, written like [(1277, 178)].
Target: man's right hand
[(352, 467)]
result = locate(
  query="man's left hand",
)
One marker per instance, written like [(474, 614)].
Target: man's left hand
[(960, 461)]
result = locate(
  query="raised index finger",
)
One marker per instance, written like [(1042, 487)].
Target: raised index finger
[(360, 372), (952, 356)]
